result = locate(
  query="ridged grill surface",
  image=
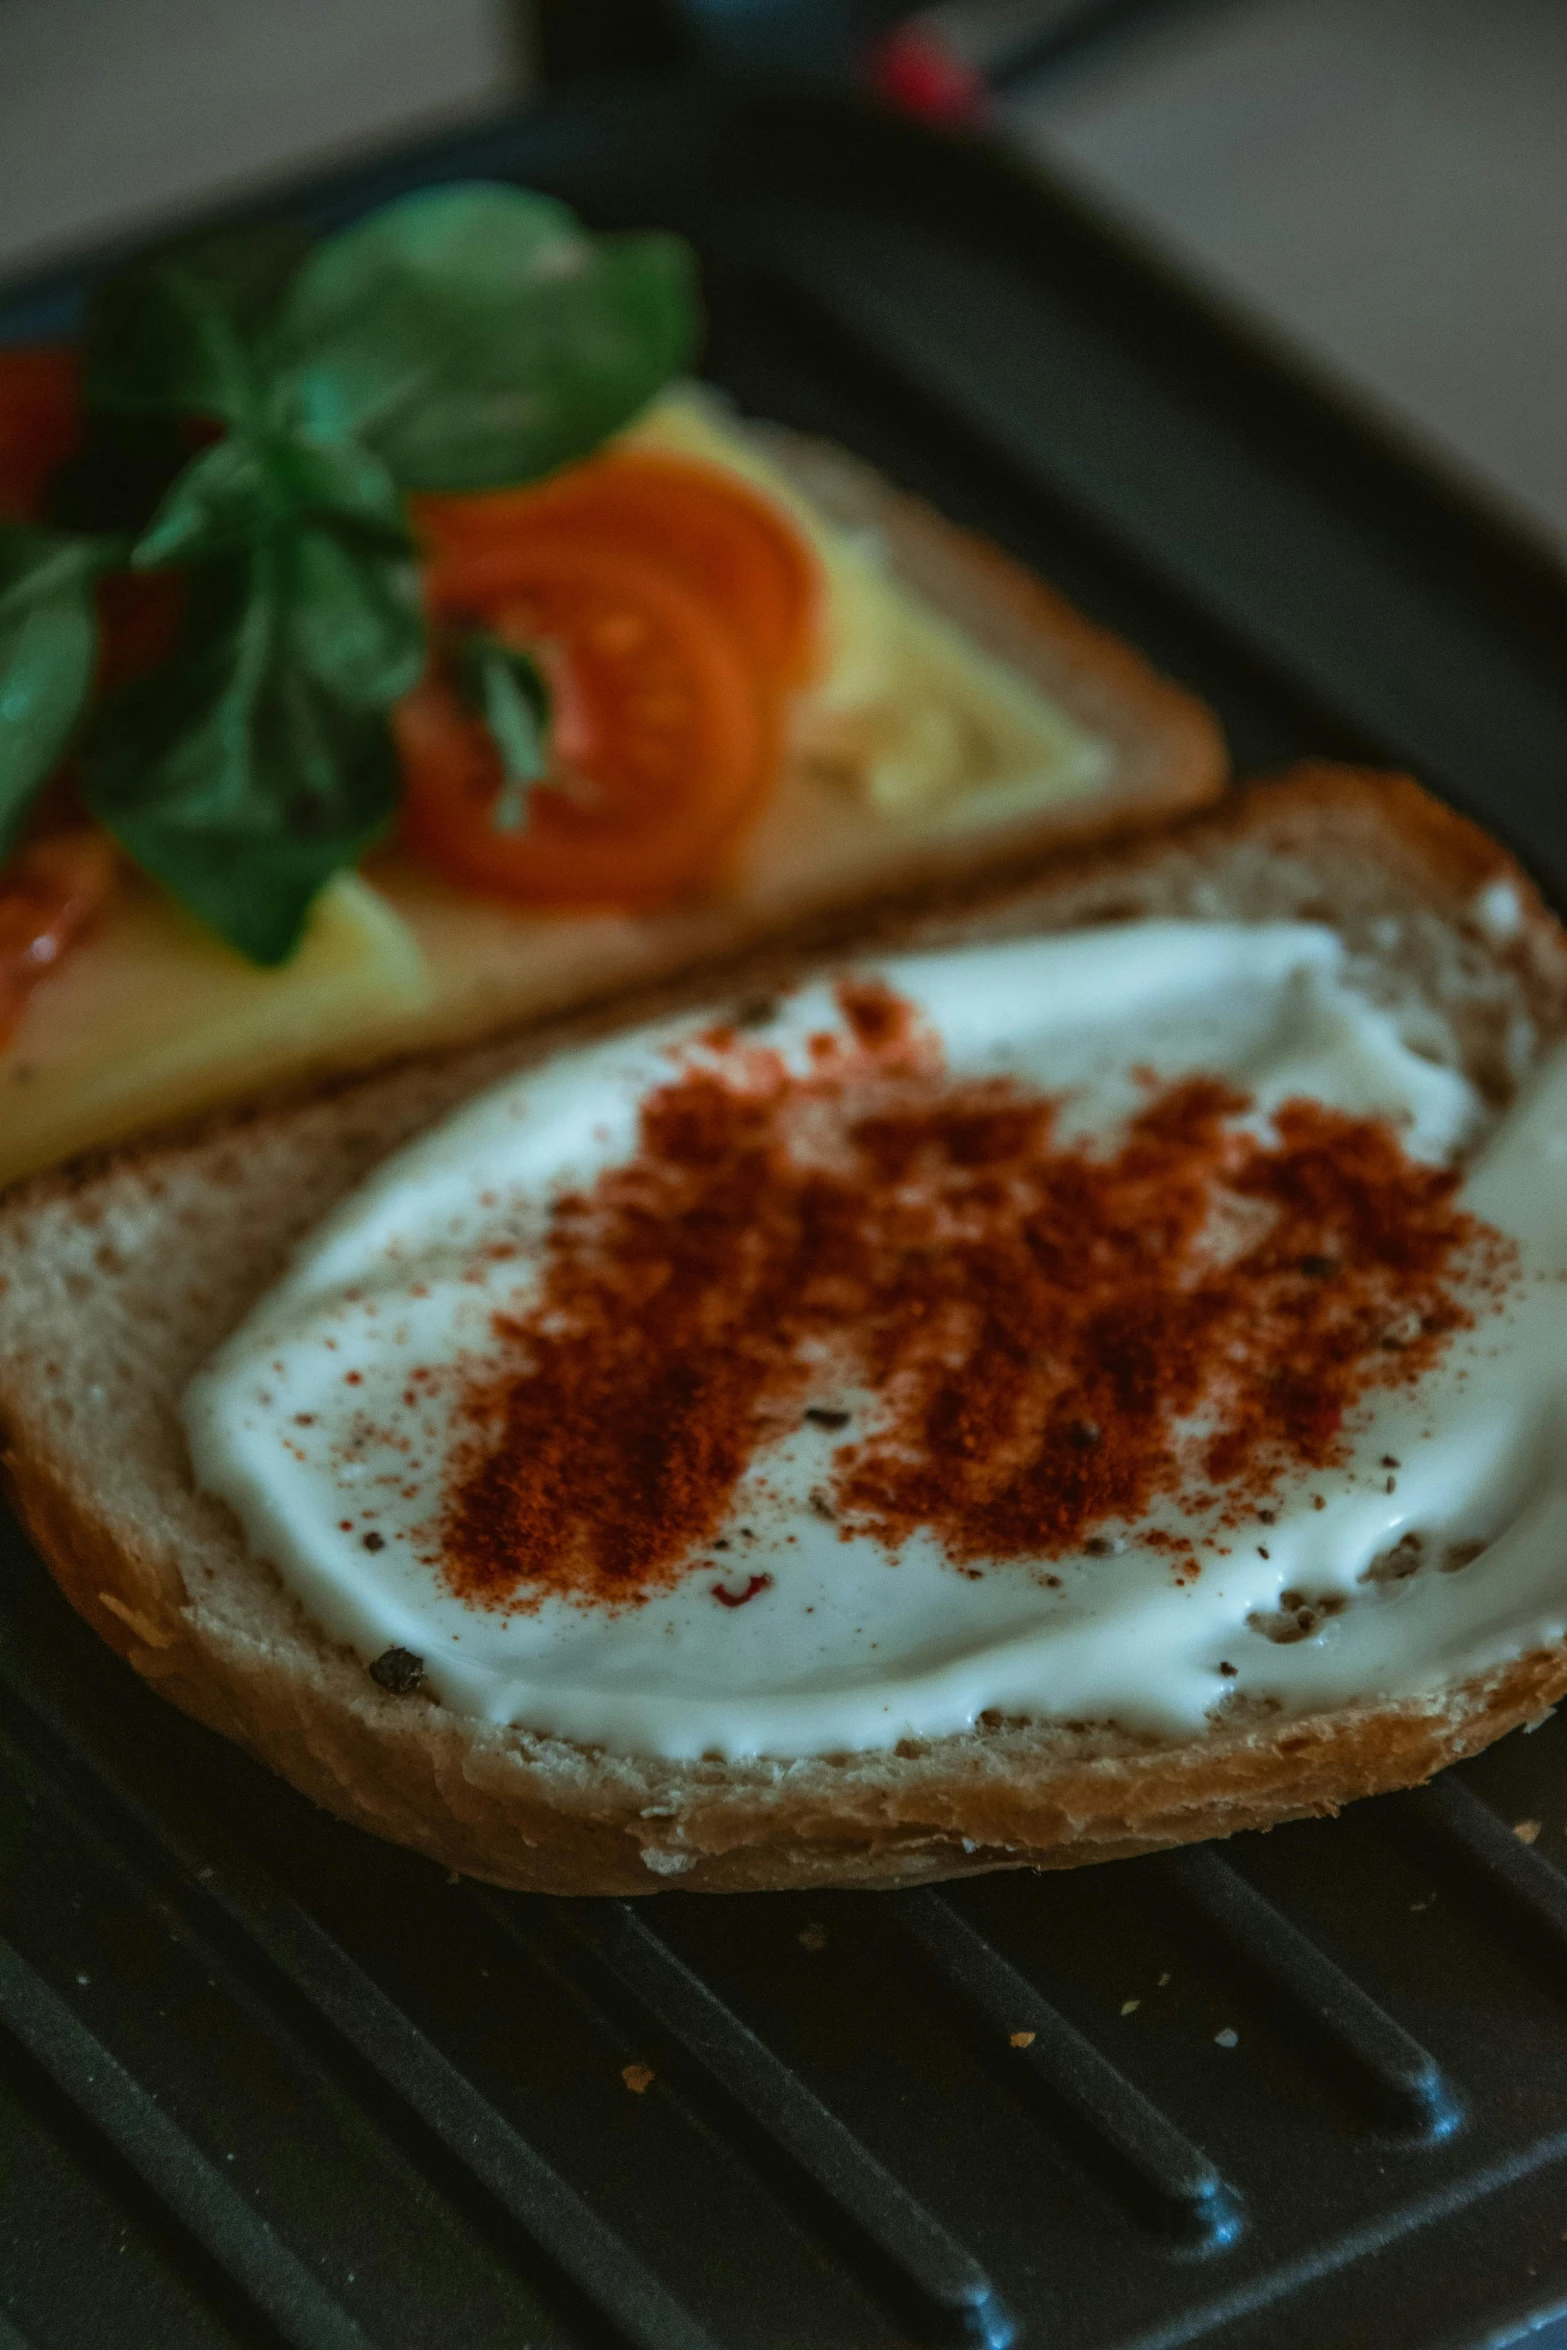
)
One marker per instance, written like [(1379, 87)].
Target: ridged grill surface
[(263, 2081)]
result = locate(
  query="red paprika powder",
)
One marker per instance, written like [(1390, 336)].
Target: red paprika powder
[(1056, 1333)]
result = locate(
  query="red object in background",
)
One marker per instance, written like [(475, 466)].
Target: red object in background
[(138, 624), (40, 423), (913, 69), (40, 426), (54, 888), (55, 885)]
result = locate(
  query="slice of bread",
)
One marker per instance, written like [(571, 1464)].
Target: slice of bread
[(151, 1020), (118, 1280)]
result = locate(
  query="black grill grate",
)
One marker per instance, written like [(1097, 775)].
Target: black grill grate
[(263, 2081)]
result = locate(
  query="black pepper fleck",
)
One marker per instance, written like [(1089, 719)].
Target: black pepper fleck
[(375, 1542), (821, 1417), (399, 1671)]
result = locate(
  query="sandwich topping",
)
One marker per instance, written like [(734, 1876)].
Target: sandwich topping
[(1098, 1327), (428, 619)]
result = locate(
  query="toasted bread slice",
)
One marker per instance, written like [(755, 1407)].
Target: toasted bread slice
[(941, 650), (116, 1282)]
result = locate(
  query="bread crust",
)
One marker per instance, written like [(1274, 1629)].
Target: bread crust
[(137, 1265)]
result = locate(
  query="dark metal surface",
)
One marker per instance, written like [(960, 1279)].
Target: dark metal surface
[(265, 2081)]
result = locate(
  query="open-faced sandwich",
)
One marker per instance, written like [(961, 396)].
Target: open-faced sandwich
[(1064, 1371), (391, 649), (1084, 1371)]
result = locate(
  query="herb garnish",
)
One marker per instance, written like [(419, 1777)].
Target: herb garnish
[(462, 339), (48, 638), (506, 688)]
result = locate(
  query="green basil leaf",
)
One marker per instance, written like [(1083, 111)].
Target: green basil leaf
[(250, 486), (331, 523), (234, 774), (476, 335), (48, 645), (182, 331), (341, 482), (220, 503), (508, 690), (355, 618)]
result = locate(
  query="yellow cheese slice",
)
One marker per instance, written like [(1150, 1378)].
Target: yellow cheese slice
[(154, 1017)]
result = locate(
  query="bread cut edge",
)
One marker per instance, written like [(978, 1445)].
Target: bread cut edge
[(538, 1813)]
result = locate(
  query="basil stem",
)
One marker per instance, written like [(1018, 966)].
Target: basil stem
[(48, 647), (507, 689)]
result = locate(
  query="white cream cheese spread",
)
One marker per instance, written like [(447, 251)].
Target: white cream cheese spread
[(1431, 1546)]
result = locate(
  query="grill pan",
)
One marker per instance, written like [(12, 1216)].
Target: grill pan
[(264, 2081)]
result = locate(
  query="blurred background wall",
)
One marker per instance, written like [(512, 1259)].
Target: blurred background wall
[(115, 114), (1381, 183)]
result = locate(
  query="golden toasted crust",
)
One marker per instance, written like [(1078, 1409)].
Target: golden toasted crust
[(499, 1807), (134, 1268)]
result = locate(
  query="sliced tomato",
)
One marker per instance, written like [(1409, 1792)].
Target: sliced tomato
[(40, 426), (40, 423), (50, 892), (664, 739), (702, 526)]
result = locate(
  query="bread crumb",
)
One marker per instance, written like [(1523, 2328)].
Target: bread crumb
[(812, 1937), (664, 1863), (1228, 2038), (1526, 1830), (638, 2078), (1022, 2039), (1130, 2006), (399, 1671), (1497, 911)]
